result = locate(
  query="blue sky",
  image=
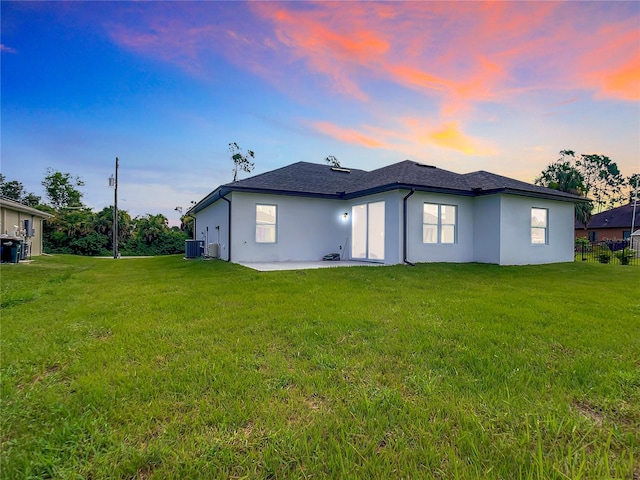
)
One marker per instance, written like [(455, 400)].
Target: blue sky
[(166, 86)]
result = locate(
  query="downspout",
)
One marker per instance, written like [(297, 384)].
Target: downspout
[(229, 204), (404, 228), (633, 216)]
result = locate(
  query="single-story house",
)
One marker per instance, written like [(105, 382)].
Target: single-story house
[(23, 223), (614, 224), (406, 212)]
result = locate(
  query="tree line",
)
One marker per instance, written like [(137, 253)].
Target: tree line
[(595, 177), (77, 229)]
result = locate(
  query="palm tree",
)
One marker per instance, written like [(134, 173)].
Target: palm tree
[(564, 177), (103, 224), (149, 227)]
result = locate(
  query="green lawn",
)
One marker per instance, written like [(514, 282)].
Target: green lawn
[(166, 368)]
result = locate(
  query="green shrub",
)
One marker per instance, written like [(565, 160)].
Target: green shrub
[(604, 253), (625, 255)]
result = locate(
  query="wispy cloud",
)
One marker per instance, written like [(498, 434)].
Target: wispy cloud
[(459, 56), (408, 135), (350, 135), (475, 52), (4, 48)]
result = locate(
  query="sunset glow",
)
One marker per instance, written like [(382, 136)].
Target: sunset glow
[(499, 86)]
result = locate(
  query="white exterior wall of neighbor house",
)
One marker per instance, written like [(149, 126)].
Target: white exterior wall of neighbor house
[(460, 251), (486, 229), (306, 228), (515, 235), (215, 215)]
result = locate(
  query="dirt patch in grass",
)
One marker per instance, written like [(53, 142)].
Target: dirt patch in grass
[(589, 411), (102, 334), (146, 472), (50, 370)]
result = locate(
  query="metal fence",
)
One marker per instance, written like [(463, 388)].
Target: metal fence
[(612, 252)]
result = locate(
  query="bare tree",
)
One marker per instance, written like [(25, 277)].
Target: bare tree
[(332, 160), (241, 161)]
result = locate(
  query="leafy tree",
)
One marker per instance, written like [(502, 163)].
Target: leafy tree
[(633, 182), (154, 237), (12, 189), (332, 160), (15, 191), (92, 244), (603, 180), (61, 189), (241, 161), (66, 227), (31, 200), (75, 229)]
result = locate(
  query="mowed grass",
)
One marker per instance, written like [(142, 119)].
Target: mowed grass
[(166, 368)]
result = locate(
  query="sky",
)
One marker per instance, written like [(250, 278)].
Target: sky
[(166, 86)]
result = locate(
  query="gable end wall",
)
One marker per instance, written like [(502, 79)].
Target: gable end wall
[(515, 234)]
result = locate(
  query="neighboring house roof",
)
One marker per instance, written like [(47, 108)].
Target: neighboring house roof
[(619, 217), (13, 205), (316, 180)]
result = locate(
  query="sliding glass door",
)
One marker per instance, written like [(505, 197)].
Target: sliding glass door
[(367, 231)]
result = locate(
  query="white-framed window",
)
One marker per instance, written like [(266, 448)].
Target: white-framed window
[(539, 226), (266, 223), (439, 223)]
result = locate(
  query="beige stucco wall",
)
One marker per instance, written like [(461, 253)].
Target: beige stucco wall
[(10, 217)]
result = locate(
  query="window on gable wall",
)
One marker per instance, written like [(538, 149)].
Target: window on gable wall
[(539, 226), (266, 216), (439, 223)]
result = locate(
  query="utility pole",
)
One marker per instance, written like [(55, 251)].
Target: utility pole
[(113, 182)]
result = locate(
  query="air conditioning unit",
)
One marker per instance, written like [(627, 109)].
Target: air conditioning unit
[(214, 250)]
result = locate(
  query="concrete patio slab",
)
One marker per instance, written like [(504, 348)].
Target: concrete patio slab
[(280, 266)]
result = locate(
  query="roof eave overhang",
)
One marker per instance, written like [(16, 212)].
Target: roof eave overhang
[(405, 186), (293, 193), (206, 201), (542, 195), (24, 209), (463, 193), (224, 190)]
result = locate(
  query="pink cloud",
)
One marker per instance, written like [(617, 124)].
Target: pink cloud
[(408, 135), (6, 49), (349, 135), (456, 55), (460, 54), (613, 65)]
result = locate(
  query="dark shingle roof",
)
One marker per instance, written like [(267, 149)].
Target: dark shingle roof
[(409, 174), (619, 217), (488, 182), (312, 179), (301, 178)]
